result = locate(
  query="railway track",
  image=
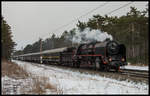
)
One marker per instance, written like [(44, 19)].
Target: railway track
[(135, 73)]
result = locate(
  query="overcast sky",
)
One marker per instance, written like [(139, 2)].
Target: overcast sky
[(31, 20)]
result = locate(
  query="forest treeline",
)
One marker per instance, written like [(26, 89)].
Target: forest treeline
[(7, 43), (130, 29)]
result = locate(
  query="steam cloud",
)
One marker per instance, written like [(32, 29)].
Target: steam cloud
[(88, 35)]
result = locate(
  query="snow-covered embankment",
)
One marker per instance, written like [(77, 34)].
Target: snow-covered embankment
[(69, 82)]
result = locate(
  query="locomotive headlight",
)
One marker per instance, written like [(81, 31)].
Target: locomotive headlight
[(110, 59), (123, 59)]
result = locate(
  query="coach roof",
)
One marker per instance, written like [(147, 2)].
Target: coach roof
[(46, 52)]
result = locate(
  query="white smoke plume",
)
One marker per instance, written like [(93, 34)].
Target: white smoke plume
[(88, 35)]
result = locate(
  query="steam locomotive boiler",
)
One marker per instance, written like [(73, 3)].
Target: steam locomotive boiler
[(101, 55)]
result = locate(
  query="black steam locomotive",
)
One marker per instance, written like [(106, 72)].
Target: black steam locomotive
[(98, 55), (101, 55)]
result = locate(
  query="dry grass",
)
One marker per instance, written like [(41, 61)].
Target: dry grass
[(42, 83), (37, 85), (12, 70), (139, 64)]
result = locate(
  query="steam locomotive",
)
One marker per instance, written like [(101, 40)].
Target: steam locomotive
[(97, 55)]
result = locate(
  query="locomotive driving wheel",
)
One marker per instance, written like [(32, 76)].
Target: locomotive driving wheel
[(78, 64), (98, 63), (74, 63), (117, 69)]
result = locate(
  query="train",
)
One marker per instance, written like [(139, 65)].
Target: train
[(104, 56)]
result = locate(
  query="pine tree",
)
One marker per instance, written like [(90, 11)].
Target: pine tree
[(6, 42)]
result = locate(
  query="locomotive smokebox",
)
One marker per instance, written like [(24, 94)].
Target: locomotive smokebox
[(112, 47)]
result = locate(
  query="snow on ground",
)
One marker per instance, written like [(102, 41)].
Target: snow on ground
[(135, 67), (10, 85), (69, 82)]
